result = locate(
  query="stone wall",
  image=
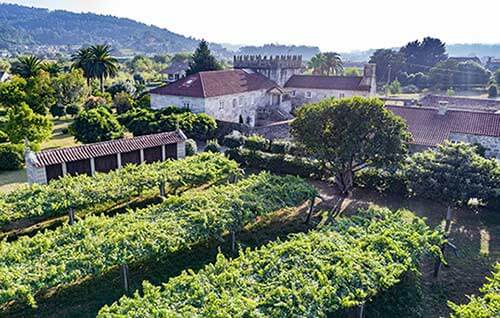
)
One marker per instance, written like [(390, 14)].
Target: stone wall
[(461, 102), (299, 95), (196, 105), (492, 144), (34, 174), (279, 130)]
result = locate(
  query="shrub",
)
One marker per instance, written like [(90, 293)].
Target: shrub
[(382, 181), (196, 126), (191, 147), (11, 157), (256, 142), (144, 101), (212, 146), (73, 109), (121, 87), (3, 137), (280, 146), (492, 91), (234, 140), (57, 110), (123, 102), (94, 102), (95, 125), (276, 163)]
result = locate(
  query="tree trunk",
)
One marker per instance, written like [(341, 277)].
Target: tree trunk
[(311, 209), (101, 80)]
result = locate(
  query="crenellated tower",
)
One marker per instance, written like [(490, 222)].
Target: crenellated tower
[(278, 68)]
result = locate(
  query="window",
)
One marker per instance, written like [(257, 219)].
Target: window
[(235, 102), (294, 93), (221, 105), (308, 94), (240, 100), (187, 105), (341, 95)]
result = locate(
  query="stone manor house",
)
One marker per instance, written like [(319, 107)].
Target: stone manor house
[(259, 85)]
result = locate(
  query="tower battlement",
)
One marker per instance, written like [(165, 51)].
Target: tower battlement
[(267, 62)]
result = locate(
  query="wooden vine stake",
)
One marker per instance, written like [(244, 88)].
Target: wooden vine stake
[(311, 209), (233, 241), (124, 276), (71, 216), (361, 311), (162, 189), (447, 227)]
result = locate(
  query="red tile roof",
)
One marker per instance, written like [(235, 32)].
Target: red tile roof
[(216, 83), (351, 83), (430, 128), (55, 156)]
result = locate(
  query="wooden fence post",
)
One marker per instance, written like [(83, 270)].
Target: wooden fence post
[(124, 276), (311, 209), (71, 216)]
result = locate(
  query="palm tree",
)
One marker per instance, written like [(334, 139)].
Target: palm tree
[(334, 64), (102, 64), (27, 66), (81, 59), (53, 68), (317, 64)]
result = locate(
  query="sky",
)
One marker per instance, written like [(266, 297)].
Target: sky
[(330, 24)]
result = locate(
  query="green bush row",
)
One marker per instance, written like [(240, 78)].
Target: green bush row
[(256, 142), (276, 163), (143, 121)]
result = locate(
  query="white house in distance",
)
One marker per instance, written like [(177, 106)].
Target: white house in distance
[(258, 84)]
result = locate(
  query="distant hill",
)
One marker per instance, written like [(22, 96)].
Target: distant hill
[(479, 50), (22, 26)]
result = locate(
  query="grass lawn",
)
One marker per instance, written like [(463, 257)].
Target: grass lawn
[(477, 237), (11, 180), (60, 139)]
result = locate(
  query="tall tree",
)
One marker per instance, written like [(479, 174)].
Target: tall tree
[(69, 88), (94, 125), (421, 56), (203, 60), (389, 63), (347, 135), (22, 123), (81, 59), (27, 66), (102, 64)]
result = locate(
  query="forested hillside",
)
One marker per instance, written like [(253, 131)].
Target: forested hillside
[(20, 25)]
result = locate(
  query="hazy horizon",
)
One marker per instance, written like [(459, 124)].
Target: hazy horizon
[(340, 27)]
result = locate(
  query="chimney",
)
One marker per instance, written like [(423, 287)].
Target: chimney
[(369, 78), (443, 107)]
